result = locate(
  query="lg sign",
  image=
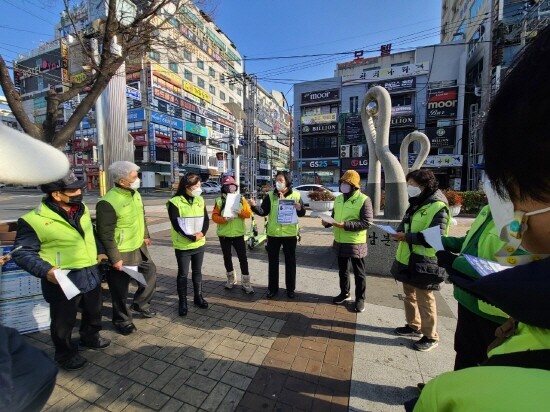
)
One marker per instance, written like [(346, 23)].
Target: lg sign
[(357, 162)]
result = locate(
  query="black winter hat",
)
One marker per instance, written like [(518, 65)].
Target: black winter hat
[(69, 182)]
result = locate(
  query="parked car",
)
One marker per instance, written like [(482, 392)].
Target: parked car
[(214, 184), (209, 188), (333, 187), (305, 189)]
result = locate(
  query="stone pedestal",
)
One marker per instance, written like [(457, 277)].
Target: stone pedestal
[(382, 248)]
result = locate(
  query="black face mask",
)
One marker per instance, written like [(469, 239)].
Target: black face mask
[(75, 200)]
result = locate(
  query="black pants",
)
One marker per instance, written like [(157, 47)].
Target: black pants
[(472, 336), (195, 258), (63, 313), (359, 267), (119, 281), (289, 249), (240, 248)]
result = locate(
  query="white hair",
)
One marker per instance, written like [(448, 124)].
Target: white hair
[(121, 169)]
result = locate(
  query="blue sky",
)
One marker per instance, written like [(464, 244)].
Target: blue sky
[(271, 29)]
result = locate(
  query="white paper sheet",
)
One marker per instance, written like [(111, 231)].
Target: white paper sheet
[(432, 235), (232, 202), (386, 228), (191, 225), (67, 286), (133, 272), (324, 217), (286, 213), (483, 266)]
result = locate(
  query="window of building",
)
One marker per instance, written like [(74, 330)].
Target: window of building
[(231, 85), (155, 55), (200, 82), (222, 95), (239, 92), (173, 66), (474, 9), (354, 104), (174, 22), (231, 100), (401, 100), (211, 72), (163, 154), (212, 89), (187, 55), (200, 64), (188, 75), (222, 78)]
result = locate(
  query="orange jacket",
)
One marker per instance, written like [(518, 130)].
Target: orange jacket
[(246, 212)]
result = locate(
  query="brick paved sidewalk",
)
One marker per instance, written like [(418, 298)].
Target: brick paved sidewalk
[(243, 352)]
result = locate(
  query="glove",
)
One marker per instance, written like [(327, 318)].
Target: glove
[(445, 259)]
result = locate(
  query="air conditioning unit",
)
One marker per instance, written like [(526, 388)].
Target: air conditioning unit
[(344, 150), (356, 151)]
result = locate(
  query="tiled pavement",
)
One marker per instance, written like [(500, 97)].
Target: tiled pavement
[(248, 353)]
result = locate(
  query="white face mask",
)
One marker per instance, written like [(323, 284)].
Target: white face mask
[(280, 186), (345, 188), (413, 191), (196, 192), (135, 184)]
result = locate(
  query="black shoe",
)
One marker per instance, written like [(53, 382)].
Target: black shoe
[(360, 306), (74, 363), (291, 295), (147, 313), (200, 302), (182, 307), (271, 295), (420, 386), (99, 343), (425, 344), (125, 329), (407, 331), (341, 298)]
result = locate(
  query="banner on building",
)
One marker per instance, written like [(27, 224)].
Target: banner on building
[(353, 129), (441, 136), (442, 103), (359, 164), (321, 96), (403, 121), (328, 128), (396, 85), (412, 69), (319, 118)]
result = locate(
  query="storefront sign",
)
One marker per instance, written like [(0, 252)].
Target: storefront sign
[(401, 110), (444, 161), (166, 120), (441, 136), (133, 93), (396, 85), (196, 91), (403, 121), (166, 74), (329, 128), (359, 164), (152, 147), (413, 69), (196, 129), (320, 96), (442, 103), (136, 115), (353, 129), (319, 118), (320, 164)]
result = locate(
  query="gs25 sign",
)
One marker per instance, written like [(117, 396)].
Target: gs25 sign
[(318, 163)]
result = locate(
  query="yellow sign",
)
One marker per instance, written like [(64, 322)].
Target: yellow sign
[(166, 74), (197, 91), (319, 118), (78, 78)]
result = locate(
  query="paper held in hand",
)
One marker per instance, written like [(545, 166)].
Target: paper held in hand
[(232, 202), (191, 225), (323, 216), (67, 286), (286, 213), (386, 228), (133, 272), (432, 236), (483, 266)]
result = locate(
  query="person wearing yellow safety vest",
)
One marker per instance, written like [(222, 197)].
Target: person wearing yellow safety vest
[(189, 224), (352, 214), (281, 233), (476, 323), (123, 231), (58, 234), (231, 233), (415, 263)]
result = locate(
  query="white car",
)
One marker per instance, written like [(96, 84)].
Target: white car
[(306, 188), (209, 188)]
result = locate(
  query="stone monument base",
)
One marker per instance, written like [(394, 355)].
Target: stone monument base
[(382, 248)]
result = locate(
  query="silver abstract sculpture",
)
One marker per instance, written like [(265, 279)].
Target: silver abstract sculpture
[(421, 138), (376, 118)]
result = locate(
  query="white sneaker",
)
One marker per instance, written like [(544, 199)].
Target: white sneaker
[(246, 284), (231, 280)]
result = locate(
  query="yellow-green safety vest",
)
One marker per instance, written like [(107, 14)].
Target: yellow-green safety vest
[(130, 223), (346, 210), (190, 210), (275, 229), (60, 243), (233, 228), (420, 221)]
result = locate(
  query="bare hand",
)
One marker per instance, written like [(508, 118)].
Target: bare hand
[(400, 236), (118, 265), (297, 206), (101, 257), (4, 259), (252, 202), (51, 276), (147, 242), (339, 224), (199, 235)]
